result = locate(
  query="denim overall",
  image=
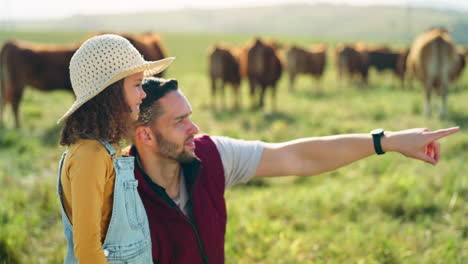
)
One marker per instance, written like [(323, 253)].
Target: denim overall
[(128, 239)]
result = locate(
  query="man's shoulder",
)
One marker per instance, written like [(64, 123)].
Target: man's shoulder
[(204, 143), (202, 137), (205, 147)]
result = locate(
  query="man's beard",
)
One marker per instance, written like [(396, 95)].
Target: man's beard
[(168, 149)]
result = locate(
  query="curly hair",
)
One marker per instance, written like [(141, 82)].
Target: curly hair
[(106, 116)]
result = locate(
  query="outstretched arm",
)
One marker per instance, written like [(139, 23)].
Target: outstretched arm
[(310, 156)]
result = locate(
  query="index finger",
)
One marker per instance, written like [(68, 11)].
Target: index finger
[(442, 133)]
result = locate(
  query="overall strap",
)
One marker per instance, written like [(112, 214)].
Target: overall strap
[(59, 183), (108, 147), (65, 219)]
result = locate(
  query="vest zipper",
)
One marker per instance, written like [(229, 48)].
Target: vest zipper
[(191, 219), (195, 230)]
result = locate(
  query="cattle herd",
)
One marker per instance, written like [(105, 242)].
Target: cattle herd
[(433, 59)]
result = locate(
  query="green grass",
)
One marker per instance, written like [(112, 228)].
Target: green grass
[(384, 209)]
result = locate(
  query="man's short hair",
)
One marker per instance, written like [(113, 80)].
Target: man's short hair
[(155, 88)]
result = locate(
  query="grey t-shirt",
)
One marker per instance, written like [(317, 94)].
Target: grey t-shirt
[(240, 160)]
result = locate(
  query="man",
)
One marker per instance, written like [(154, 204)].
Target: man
[(182, 177)]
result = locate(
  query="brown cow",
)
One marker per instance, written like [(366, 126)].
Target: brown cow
[(45, 67), (401, 65), (460, 66), (459, 69), (224, 68), (433, 60), (42, 67), (241, 53), (311, 61), (352, 62), (151, 47), (383, 58), (264, 69)]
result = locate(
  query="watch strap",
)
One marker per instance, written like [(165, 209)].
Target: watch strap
[(377, 138)]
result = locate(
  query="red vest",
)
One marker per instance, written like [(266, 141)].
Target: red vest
[(198, 238)]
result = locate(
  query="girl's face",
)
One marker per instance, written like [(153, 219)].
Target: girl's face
[(134, 93)]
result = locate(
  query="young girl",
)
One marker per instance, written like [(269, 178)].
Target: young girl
[(104, 219)]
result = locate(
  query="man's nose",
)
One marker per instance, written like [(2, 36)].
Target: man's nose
[(194, 128)]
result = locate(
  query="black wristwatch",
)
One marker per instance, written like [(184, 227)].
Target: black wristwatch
[(377, 135)]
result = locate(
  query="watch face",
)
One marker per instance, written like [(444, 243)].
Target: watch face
[(377, 131)]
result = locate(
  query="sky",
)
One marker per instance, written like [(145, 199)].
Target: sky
[(50, 9)]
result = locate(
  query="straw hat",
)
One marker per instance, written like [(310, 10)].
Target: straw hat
[(103, 60)]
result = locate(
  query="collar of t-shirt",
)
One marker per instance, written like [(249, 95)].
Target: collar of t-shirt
[(181, 201)]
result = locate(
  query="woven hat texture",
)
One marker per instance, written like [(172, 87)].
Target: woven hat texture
[(103, 60)]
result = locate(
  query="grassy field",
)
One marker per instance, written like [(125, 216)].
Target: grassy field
[(385, 209)]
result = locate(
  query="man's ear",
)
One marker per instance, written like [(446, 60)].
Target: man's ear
[(144, 135)]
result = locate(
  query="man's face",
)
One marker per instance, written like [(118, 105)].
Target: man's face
[(174, 130)]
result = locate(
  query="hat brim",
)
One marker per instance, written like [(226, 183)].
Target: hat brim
[(149, 68)]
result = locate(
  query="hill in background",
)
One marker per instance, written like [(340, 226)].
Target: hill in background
[(323, 21)]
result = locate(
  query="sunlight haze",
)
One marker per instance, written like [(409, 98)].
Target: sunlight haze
[(50, 9)]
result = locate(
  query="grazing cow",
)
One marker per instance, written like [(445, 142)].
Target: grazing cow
[(353, 62), (241, 53), (150, 46), (45, 67), (460, 66), (311, 61), (224, 68), (459, 69), (264, 69), (433, 60), (42, 67), (401, 65), (384, 58)]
